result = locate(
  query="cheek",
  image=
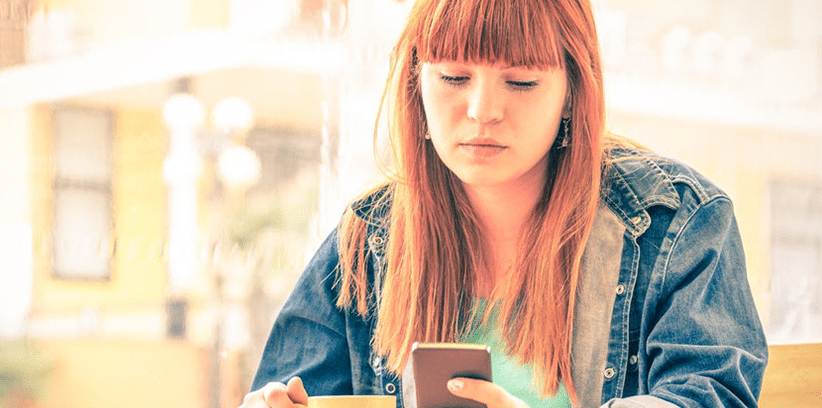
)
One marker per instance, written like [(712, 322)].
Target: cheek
[(442, 112), (434, 109), (427, 102)]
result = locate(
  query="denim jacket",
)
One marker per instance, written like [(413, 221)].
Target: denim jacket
[(664, 316)]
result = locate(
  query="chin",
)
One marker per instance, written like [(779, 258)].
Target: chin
[(481, 180)]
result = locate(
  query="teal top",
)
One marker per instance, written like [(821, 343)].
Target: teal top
[(512, 377)]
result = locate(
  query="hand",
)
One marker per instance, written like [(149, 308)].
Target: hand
[(277, 395), (485, 392)]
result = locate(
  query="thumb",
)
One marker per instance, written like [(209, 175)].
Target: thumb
[(275, 395), (482, 391), (296, 391)]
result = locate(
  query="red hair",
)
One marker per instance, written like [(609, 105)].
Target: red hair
[(435, 247)]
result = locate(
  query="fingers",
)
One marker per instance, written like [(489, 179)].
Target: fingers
[(484, 392), (253, 399), (260, 398), (296, 391), (275, 395)]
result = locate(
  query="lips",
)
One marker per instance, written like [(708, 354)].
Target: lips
[(482, 148)]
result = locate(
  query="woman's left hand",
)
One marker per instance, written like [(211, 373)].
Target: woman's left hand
[(486, 392)]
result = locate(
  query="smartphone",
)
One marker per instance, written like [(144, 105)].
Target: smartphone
[(436, 363)]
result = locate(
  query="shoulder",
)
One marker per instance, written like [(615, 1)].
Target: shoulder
[(373, 206), (365, 222), (635, 180)]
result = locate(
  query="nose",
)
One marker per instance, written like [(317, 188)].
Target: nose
[(485, 105)]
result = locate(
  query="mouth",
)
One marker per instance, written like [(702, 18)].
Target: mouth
[(482, 141), (482, 148)]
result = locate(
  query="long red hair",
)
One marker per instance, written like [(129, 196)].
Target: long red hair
[(435, 248)]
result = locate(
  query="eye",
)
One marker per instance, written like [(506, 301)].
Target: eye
[(453, 79), (523, 85)]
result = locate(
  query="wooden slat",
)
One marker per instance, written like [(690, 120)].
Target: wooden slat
[(793, 377)]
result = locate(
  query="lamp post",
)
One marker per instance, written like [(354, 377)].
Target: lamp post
[(184, 115), (238, 168)]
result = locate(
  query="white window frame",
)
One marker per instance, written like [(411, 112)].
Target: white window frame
[(82, 235)]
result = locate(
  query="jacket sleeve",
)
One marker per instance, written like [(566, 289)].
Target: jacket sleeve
[(308, 338), (704, 343)]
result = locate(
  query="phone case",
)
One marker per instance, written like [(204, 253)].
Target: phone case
[(436, 363)]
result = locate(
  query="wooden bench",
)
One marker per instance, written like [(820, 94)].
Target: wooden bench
[(793, 378)]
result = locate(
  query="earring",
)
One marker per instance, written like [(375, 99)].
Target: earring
[(427, 136), (565, 140)]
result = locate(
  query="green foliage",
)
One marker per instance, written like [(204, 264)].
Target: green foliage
[(288, 210), (24, 370)]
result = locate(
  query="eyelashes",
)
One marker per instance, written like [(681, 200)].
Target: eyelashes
[(454, 80), (524, 85), (459, 80)]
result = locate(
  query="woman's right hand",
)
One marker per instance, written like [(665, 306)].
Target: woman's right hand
[(277, 395)]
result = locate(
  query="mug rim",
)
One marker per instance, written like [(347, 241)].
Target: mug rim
[(351, 396)]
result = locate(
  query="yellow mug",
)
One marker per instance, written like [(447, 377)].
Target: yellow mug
[(351, 401)]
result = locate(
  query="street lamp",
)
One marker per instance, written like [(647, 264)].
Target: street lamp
[(238, 166)]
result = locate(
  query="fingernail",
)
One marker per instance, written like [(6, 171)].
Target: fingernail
[(455, 385)]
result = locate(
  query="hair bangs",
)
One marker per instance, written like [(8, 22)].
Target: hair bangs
[(507, 32)]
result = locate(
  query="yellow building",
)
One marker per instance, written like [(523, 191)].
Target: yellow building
[(88, 213)]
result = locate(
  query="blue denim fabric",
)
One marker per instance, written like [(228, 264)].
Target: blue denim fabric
[(684, 330)]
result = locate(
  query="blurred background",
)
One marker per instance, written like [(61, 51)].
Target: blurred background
[(169, 166)]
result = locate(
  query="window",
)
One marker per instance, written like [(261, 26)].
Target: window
[(14, 16), (82, 224), (796, 262)]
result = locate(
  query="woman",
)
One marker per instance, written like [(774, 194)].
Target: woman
[(614, 276)]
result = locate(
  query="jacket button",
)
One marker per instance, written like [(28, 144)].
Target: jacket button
[(636, 220), (377, 240), (620, 289), (390, 388), (609, 373), (632, 359)]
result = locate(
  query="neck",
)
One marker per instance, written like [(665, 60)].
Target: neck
[(503, 211)]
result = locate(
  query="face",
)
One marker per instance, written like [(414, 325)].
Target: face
[(493, 125)]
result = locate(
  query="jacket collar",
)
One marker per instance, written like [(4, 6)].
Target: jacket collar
[(635, 181), (374, 208)]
